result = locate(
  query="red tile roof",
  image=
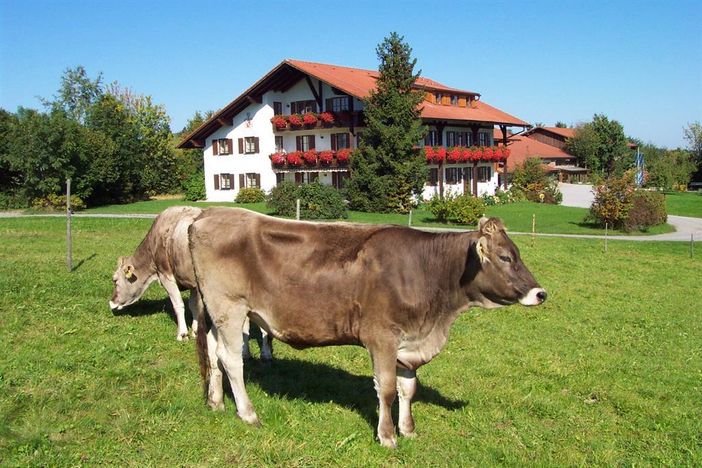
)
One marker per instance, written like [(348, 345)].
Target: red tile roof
[(522, 147), (354, 81), (564, 132)]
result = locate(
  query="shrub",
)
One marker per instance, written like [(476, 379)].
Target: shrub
[(647, 209), (457, 209), (53, 202), (317, 201), (250, 195), (612, 201), (11, 201), (531, 180), (195, 187)]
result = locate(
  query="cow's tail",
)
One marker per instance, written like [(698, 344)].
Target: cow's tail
[(203, 355)]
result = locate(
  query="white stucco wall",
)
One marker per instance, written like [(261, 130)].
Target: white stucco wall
[(254, 121)]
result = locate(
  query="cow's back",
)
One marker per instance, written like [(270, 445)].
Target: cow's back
[(318, 281), (168, 242)]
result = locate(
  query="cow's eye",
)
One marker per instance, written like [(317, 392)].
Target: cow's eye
[(505, 258)]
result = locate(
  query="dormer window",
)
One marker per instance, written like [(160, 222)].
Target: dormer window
[(438, 97), (454, 100)]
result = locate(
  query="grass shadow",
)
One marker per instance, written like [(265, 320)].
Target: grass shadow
[(81, 262), (321, 383)]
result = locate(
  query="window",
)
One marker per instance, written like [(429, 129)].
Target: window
[(248, 145), (451, 139), (432, 138), (249, 180), (312, 177), (299, 178), (433, 178), (340, 141), (454, 100), (224, 181), (484, 173), (279, 178), (277, 108), (438, 97), (302, 107), (483, 139), (304, 142), (278, 144), (338, 104), (454, 175), (221, 146), (339, 179)]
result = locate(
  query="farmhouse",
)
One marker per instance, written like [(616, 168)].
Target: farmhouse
[(301, 121), (547, 144)]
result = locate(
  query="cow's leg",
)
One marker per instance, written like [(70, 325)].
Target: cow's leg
[(406, 388), (215, 392), (245, 350), (384, 362), (266, 346), (178, 306), (230, 323), (195, 305)]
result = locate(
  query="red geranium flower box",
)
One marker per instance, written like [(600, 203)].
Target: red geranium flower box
[(439, 154), (279, 122), (343, 155), (310, 157), (295, 158), (326, 157), (453, 155), (278, 159), (429, 153), (309, 119), (327, 118), (295, 120)]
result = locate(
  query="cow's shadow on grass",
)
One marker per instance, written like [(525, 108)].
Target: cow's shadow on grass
[(321, 383), (145, 307)]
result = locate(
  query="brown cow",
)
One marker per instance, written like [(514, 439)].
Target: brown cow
[(164, 255), (394, 290)]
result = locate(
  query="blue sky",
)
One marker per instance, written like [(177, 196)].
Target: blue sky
[(639, 62)]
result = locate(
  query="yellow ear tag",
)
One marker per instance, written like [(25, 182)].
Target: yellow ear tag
[(128, 272)]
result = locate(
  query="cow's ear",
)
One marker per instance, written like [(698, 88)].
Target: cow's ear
[(481, 248), (120, 261), (489, 226)]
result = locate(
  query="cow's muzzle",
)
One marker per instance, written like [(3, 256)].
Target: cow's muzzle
[(114, 307), (535, 296)]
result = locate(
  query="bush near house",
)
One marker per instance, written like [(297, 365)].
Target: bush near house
[(531, 180), (457, 209), (250, 195), (647, 209), (317, 201)]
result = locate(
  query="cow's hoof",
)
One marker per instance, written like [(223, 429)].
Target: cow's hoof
[(409, 435), (389, 442), (251, 419), (219, 406), (182, 337), (266, 360)]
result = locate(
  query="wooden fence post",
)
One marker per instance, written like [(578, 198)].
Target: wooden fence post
[(69, 241)]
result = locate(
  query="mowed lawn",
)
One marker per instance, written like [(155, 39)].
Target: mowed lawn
[(608, 371), (684, 203), (518, 217)]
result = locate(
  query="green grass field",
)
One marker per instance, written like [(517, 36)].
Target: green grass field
[(607, 372), (550, 219), (684, 203)]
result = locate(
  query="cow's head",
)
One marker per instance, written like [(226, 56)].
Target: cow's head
[(130, 283), (495, 275)]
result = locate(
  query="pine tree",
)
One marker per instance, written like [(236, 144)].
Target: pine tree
[(387, 171)]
